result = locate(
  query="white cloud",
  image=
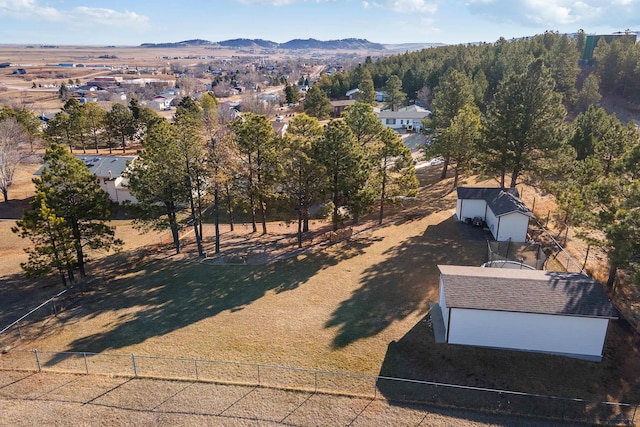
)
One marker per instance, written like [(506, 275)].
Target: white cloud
[(279, 2), (553, 13), (78, 16), (110, 17), (406, 6)]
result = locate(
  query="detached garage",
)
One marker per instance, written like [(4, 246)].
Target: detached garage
[(505, 214), (529, 310)]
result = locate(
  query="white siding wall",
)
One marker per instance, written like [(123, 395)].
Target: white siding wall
[(109, 186), (492, 222), (470, 208), (442, 302), (527, 331), (513, 225)]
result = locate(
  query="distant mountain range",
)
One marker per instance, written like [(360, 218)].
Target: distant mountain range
[(297, 44)]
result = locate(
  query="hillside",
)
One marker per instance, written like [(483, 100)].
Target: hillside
[(295, 44)]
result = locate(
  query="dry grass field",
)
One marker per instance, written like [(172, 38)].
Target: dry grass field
[(358, 306)]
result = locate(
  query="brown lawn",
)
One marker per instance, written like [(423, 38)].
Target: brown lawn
[(357, 306)]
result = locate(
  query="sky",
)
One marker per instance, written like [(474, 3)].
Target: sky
[(132, 22)]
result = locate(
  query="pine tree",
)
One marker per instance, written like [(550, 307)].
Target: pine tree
[(68, 190), (157, 180), (317, 104), (524, 121)]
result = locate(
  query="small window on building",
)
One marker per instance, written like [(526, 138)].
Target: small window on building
[(391, 121)]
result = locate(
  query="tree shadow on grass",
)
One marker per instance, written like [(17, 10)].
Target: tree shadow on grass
[(160, 296), (403, 283)]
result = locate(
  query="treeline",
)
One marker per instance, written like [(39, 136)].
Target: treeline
[(502, 110), (201, 165)]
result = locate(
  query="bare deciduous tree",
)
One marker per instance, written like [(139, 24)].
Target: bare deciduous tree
[(13, 142), (253, 103)]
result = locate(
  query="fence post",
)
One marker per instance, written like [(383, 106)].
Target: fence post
[(258, 374), (35, 351), (195, 364), (315, 381), (86, 365), (135, 367), (20, 330)]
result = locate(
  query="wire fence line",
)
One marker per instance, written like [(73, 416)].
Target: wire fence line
[(317, 381), (25, 326)]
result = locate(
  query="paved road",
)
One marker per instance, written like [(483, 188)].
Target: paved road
[(28, 399)]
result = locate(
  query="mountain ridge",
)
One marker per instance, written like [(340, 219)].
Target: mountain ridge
[(295, 44)]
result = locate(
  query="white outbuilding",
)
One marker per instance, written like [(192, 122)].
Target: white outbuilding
[(529, 310), (501, 208)]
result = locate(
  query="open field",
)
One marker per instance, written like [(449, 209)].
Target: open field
[(357, 306)]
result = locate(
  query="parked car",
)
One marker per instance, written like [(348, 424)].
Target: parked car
[(477, 221)]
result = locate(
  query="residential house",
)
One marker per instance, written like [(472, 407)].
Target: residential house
[(340, 105), (161, 103), (109, 171), (406, 118)]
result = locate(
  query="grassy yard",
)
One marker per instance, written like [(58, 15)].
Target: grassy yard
[(358, 306)]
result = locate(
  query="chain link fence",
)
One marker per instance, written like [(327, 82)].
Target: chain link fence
[(356, 385)]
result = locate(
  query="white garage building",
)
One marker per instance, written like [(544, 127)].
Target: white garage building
[(504, 213), (530, 310)]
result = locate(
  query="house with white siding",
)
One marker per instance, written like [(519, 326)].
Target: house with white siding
[(108, 171), (566, 314), (406, 118)]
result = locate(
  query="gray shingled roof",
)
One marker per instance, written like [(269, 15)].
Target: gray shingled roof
[(525, 291), (101, 165), (502, 201)]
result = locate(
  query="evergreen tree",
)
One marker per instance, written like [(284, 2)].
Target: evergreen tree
[(461, 139), (394, 168), (95, 116), (191, 145), (157, 180), (256, 143), (524, 121), (53, 243), (588, 128), (304, 178), (69, 190), (366, 91), (317, 104), (120, 124), (344, 162), (78, 124), (292, 94), (452, 94), (589, 93), (394, 97)]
